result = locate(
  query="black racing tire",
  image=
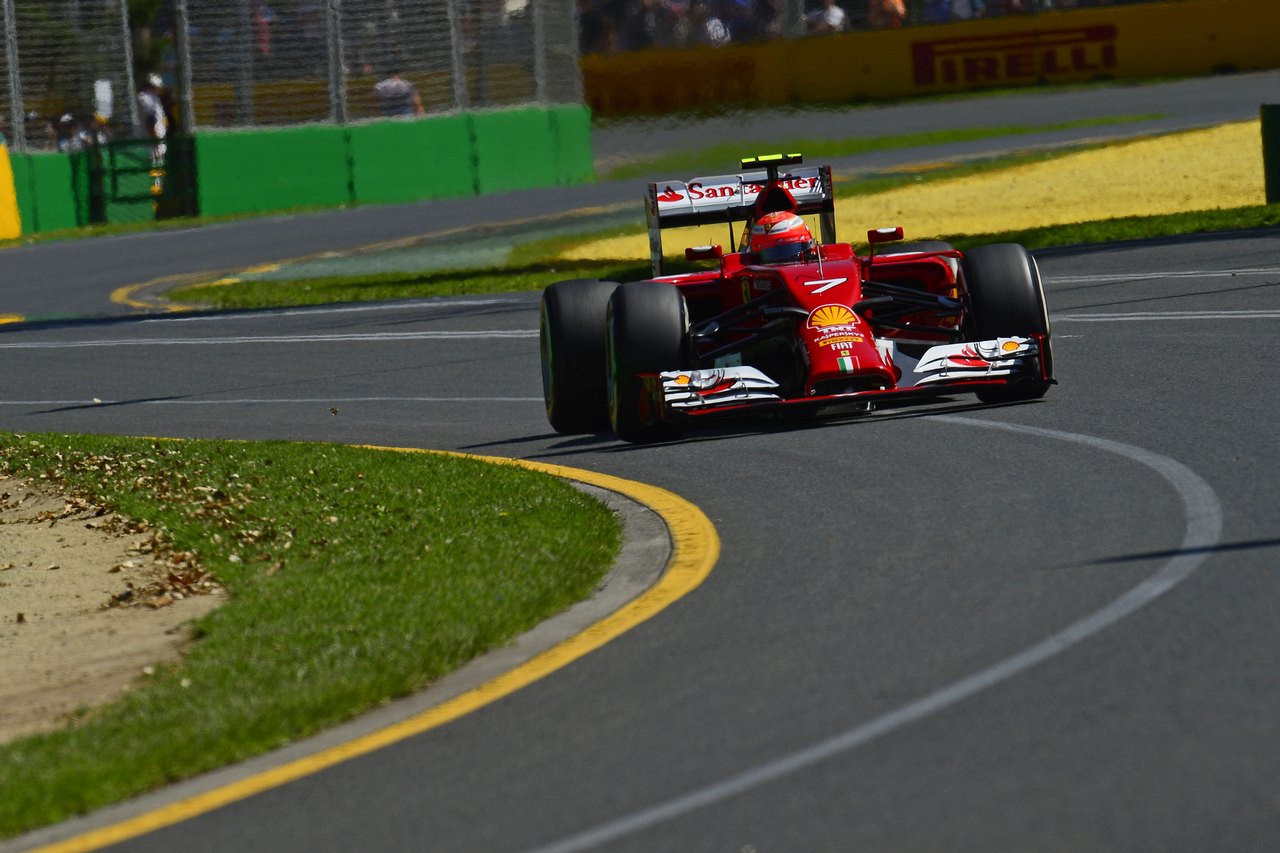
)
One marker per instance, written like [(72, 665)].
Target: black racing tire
[(571, 337), (1006, 298), (648, 331)]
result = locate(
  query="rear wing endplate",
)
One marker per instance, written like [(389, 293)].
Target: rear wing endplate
[(730, 198)]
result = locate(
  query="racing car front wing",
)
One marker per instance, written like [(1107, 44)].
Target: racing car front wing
[(941, 369)]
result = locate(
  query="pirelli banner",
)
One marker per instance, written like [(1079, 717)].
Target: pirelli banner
[(1180, 37)]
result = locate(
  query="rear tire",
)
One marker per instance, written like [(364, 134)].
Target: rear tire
[(648, 331), (1006, 299), (571, 335)]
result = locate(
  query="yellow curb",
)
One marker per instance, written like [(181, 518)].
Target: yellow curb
[(696, 547), (125, 296)]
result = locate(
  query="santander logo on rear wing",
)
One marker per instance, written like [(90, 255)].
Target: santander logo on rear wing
[(730, 198), (727, 192)]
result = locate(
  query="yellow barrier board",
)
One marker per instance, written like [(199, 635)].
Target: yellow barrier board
[(1188, 37), (10, 220)]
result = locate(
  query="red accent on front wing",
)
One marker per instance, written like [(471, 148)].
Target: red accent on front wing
[(859, 396), (938, 390)]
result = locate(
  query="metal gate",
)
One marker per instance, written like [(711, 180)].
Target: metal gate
[(135, 180)]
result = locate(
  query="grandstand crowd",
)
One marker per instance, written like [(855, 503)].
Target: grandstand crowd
[(613, 26)]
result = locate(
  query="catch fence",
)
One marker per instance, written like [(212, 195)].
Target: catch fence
[(249, 63)]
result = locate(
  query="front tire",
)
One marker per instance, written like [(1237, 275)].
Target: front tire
[(648, 332), (1006, 299), (571, 337)]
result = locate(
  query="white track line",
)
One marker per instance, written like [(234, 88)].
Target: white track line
[(375, 338), (1136, 316), (1157, 276), (328, 401), (428, 304), (1203, 528)]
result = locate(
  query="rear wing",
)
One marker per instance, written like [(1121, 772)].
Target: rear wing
[(731, 198)]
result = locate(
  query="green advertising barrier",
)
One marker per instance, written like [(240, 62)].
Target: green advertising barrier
[(571, 129), (399, 161), (269, 170), (515, 150), (46, 187), (257, 171)]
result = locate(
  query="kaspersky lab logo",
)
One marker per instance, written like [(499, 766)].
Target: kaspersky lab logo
[(1016, 57)]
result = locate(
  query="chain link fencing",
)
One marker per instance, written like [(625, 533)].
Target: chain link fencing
[(246, 63), (67, 62)]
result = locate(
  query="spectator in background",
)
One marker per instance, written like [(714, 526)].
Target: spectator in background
[(652, 23), (936, 11), (151, 113), (707, 27), (772, 25), (742, 19), (599, 28), (828, 18), (886, 13), (397, 96), (155, 123), (263, 18)]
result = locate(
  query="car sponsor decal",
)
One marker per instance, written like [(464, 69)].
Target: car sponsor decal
[(824, 284), (825, 316), (721, 192), (840, 338), (995, 59)]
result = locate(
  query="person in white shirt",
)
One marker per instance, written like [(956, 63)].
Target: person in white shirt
[(155, 124), (828, 19)]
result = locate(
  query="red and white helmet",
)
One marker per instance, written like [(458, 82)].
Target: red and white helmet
[(780, 237)]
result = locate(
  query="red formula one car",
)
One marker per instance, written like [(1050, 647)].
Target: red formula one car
[(787, 322)]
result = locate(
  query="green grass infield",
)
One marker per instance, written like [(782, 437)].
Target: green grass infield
[(352, 576)]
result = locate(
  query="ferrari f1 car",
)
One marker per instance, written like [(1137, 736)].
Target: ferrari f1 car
[(786, 322)]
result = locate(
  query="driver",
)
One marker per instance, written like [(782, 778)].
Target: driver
[(780, 237)]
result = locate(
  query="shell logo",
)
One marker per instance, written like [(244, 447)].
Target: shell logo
[(831, 315), (1010, 346)]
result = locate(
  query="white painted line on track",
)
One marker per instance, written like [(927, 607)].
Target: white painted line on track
[(237, 340), (1143, 316), (328, 401), (1155, 276), (320, 310), (1203, 528)]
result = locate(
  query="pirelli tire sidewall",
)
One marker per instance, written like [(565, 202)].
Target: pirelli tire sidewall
[(648, 332)]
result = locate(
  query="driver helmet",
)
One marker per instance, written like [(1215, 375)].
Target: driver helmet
[(780, 237)]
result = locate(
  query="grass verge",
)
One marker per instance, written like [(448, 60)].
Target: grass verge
[(402, 285), (721, 158), (354, 576)]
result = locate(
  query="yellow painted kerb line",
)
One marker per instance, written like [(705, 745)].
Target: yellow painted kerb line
[(696, 549)]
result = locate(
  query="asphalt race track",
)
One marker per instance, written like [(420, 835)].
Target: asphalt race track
[(1046, 626)]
